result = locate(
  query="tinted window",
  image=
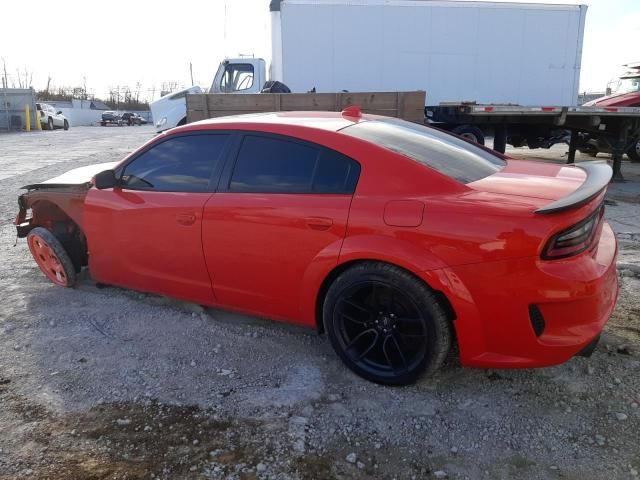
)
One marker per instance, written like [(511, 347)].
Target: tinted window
[(335, 173), (267, 164), (182, 164), (441, 151)]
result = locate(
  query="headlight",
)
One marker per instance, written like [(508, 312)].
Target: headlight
[(161, 122)]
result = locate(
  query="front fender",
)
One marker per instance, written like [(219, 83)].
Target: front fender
[(49, 207)]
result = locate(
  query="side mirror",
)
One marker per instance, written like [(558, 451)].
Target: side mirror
[(59, 112), (106, 179)]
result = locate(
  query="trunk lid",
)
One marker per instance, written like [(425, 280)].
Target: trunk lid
[(523, 178), (566, 186)]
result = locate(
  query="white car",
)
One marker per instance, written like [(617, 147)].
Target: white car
[(50, 118)]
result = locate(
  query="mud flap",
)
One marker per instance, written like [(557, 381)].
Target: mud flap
[(589, 349)]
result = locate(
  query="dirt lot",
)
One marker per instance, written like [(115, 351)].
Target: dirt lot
[(113, 384)]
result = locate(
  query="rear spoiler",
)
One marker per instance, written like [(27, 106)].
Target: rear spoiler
[(598, 176)]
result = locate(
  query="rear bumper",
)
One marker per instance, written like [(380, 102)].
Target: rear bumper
[(575, 296)]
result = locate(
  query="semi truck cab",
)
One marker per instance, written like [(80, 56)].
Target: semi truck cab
[(234, 75), (239, 75)]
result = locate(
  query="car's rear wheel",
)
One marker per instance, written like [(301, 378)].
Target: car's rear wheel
[(50, 124), (66, 125), (51, 257), (385, 324)]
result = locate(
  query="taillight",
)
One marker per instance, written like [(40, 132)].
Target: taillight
[(576, 239)]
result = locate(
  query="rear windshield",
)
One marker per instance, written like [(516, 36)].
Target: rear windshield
[(441, 151)]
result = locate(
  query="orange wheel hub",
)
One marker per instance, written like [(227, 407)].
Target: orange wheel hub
[(47, 260)]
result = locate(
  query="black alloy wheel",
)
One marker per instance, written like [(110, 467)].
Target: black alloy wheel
[(386, 324)]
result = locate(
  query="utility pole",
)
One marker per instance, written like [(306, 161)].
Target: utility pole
[(191, 71)]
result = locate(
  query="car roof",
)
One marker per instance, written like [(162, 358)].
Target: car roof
[(330, 121)]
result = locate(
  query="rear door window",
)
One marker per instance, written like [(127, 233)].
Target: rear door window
[(180, 164), (439, 150), (278, 165)]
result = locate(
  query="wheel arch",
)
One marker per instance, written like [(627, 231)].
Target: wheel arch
[(434, 285), (63, 221)]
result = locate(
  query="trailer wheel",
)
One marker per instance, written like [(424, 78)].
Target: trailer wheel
[(470, 132), (634, 152)]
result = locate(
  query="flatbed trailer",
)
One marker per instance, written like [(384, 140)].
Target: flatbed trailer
[(541, 127)]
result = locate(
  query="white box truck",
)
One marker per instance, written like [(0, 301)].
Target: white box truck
[(487, 52), (510, 70), (505, 53)]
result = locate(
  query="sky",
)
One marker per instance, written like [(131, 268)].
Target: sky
[(125, 42)]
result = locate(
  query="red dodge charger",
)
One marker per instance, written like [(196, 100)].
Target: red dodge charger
[(397, 240)]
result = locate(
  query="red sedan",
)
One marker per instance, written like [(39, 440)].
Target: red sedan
[(396, 239)]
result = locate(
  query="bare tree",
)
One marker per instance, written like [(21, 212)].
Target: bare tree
[(4, 79), (168, 87)]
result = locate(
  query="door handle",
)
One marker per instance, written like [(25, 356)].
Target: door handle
[(186, 218), (319, 223)]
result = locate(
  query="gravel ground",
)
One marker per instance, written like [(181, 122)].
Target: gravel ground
[(108, 383)]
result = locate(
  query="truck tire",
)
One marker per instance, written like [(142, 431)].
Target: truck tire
[(634, 152), (469, 132)]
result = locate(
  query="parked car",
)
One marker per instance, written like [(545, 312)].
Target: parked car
[(396, 239), (624, 92), (110, 117), (50, 118), (133, 119)]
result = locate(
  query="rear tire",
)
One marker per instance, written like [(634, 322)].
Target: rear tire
[(51, 257), (50, 124), (470, 132), (385, 324)]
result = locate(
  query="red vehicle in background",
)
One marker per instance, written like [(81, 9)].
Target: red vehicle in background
[(622, 92), (397, 240)]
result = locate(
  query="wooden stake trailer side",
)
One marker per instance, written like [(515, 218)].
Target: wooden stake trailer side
[(615, 129), (406, 105)]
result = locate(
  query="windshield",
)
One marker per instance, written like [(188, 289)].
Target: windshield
[(436, 149), (628, 85)]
